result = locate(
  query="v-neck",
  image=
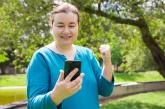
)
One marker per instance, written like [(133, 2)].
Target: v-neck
[(62, 55)]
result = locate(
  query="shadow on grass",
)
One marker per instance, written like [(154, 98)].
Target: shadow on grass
[(131, 105)]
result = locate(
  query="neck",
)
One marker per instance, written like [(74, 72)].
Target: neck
[(63, 49)]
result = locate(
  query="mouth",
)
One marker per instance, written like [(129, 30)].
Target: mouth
[(66, 37)]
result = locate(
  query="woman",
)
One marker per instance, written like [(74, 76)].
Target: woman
[(47, 88)]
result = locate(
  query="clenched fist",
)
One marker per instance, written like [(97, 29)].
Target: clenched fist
[(107, 65), (105, 53)]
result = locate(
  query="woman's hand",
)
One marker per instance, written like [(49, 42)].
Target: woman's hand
[(105, 53), (107, 65), (65, 88)]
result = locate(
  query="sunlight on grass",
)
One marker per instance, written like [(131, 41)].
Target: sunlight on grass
[(12, 95), (153, 100), (13, 80), (138, 77), (20, 79)]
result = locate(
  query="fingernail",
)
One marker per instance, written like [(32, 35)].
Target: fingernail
[(61, 70), (76, 69), (82, 74)]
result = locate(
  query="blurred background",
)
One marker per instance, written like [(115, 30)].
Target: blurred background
[(135, 30)]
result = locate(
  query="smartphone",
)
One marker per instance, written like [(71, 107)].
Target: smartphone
[(70, 65)]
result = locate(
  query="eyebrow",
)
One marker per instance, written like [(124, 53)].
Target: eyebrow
[(59, 23), (72, 23)]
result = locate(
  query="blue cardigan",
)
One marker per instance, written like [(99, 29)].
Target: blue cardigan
[(43, 72)]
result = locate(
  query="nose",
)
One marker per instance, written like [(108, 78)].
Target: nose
[(66, 30)]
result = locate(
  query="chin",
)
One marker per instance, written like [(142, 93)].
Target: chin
[(67, 43)]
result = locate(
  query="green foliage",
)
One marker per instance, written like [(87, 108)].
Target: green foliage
[(116, 49), (134, 57), (95, 31), (137, 57), (24, 29), (3, 58), (157, 27)]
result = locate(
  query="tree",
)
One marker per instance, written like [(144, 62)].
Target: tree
[(23, 29), (137, 13)]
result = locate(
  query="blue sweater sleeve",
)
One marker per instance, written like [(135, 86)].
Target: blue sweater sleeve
[(38, 79), (105, 87)]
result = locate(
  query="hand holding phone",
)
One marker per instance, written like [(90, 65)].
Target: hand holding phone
[(71, 65)]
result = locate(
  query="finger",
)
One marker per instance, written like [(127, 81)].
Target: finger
[(61, 77), (104, 46), (103, 51), (71, 74), (76, 81), (77, 88)]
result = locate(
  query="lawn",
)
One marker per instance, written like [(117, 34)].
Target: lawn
[(20, 79), (138, 77), (152, 100), (13, 80)]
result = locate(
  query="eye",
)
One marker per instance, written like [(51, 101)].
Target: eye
[(72, 26), (60, 26)]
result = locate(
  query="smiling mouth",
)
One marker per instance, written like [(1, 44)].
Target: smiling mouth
[(65, 37)]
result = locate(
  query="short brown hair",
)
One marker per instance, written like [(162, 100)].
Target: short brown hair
[(63, 8)]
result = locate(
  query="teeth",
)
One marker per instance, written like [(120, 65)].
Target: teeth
[(65, 37)]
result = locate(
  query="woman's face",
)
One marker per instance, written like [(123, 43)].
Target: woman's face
[(65, 28)]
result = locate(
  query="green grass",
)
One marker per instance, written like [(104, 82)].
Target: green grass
[(138, 77), (20, 79), (13, 80), (153, 100), (12, 95)]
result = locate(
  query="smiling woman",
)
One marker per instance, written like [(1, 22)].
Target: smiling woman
[(46, 86), (64, 24)]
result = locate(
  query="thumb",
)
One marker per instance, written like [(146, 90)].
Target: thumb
[(61, 77)]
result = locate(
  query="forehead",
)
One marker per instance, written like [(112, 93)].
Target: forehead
[(65, 18)]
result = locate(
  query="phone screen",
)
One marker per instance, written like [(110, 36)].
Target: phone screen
[(70, 65)]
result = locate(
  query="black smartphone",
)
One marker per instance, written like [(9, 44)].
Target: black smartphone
[(70, 65)]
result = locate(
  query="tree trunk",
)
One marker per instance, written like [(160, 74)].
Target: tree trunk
[(3, 69), (156, 51)]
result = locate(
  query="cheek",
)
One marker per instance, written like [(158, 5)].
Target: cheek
[(56, 31), (75, 31)]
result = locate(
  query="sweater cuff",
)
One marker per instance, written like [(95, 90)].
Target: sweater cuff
[(107, 82), (105, 86), (52, 104)]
